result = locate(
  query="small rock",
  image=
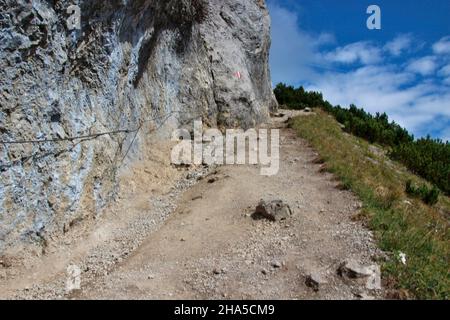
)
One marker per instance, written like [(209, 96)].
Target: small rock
[(354, 270), (358, 205), (313, 281), (190, 176), (275, 210), (212, 180), (6, 263), (374, 280), (276, 264), (219, 271), (66, 226), (363, 296)]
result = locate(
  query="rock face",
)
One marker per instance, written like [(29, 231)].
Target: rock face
[(133, 70)]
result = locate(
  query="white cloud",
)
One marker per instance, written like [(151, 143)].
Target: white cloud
[(446, 134), (398, 45), (410, 94), (386, 89), (363, 52), (442, 46), (445, 71), (424, 66), (294, 54)]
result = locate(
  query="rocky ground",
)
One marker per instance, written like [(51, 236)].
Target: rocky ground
[(191, 234)]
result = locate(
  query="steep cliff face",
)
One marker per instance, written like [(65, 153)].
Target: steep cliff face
[(134, 69)]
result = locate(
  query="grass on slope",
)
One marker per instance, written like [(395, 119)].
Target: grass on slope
[(401, 224)]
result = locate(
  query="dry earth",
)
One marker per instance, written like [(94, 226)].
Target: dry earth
[(190, 234)]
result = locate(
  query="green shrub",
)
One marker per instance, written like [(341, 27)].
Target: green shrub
[(429, 196), (297, 99), (427, 157)]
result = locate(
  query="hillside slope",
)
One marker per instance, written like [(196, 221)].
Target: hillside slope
[(403, 225)]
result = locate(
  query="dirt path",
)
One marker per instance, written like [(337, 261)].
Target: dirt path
[(211, 247)]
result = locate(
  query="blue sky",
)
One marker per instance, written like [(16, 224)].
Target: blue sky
[(402, 69)]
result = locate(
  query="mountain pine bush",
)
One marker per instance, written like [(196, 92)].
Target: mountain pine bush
[(427, 157)]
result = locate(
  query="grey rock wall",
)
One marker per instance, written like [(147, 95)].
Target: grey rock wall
[(147, 64)]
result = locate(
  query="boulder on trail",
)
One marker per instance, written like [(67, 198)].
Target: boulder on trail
[(274, 210), (371, 275)]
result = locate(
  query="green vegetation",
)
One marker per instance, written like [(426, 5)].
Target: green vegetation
[(429, 196), (427, 157), (297, 99), (401, 224)]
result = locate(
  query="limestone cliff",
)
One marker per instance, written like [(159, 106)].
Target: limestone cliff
[(151, 65)]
